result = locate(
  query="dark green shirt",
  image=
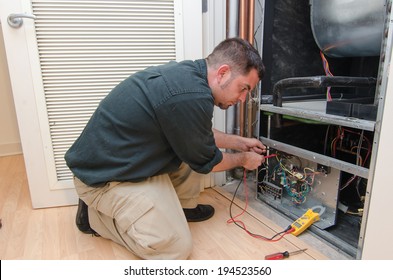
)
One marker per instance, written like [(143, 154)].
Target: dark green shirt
[(147, 125)]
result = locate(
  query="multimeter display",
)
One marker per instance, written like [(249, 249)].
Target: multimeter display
[(304, 222), (297, 224)]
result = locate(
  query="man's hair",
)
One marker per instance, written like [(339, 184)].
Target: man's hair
[(239, 54)]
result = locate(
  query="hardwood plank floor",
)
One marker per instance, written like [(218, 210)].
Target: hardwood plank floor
[(51, 234)]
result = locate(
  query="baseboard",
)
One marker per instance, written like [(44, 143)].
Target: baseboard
[(9, 149)]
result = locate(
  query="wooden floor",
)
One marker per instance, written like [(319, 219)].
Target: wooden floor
[(47, 234)]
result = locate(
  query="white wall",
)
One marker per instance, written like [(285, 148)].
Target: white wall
[(377, 245), (9, 132)]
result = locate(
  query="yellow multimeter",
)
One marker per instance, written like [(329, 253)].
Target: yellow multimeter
[(306, 220)]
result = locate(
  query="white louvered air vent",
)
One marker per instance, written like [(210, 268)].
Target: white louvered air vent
[(86, 48)]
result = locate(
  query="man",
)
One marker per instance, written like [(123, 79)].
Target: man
[(139, 160)]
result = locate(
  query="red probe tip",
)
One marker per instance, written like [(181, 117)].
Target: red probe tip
[(271, 155)]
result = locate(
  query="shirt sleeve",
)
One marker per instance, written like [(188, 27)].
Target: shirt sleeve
[(187, 125)]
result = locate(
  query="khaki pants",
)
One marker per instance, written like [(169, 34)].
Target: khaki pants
[(145, 217)]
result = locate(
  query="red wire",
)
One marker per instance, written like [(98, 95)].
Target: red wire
[(243, 226), (325, 64)]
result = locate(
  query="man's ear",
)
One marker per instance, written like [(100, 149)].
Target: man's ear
[(222, 71)]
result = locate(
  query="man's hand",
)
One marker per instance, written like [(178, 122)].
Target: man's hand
[(248, 160), (252, 160), (251, 144), (250, 151)]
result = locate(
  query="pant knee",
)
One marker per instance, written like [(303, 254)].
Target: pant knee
[(179, 249), (185, 249)]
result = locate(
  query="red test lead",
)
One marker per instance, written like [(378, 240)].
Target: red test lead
[(271, 155)]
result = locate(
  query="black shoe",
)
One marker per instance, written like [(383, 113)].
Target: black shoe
[(82, 219), (200, 213)]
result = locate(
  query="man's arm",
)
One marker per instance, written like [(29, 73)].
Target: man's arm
[(238, 143), (249, 155)]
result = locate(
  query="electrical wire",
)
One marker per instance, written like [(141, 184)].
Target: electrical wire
[(326, 140), (296, 180), (360, 161), (326, 68), (234, 219)]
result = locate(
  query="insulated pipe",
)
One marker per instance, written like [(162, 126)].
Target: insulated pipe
[(232, 22), (318, 82)]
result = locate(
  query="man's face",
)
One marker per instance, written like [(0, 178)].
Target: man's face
[(234, 88)]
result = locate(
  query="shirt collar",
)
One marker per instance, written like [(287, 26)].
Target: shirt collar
[(202, 67)]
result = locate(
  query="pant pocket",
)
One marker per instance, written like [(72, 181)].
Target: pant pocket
[(125, 209)]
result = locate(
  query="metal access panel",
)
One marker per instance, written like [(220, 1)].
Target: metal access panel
[(292, 185)]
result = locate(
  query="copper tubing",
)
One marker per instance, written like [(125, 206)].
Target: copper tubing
[(243, 19), (246, 17), (243, 33), (251, 18), (246, 32), (246, 20)]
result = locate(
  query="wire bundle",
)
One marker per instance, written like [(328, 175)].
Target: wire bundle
[(296, 183), (327, 73)]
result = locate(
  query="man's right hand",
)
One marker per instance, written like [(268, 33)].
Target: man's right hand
[(252, 160), (248, 160)]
